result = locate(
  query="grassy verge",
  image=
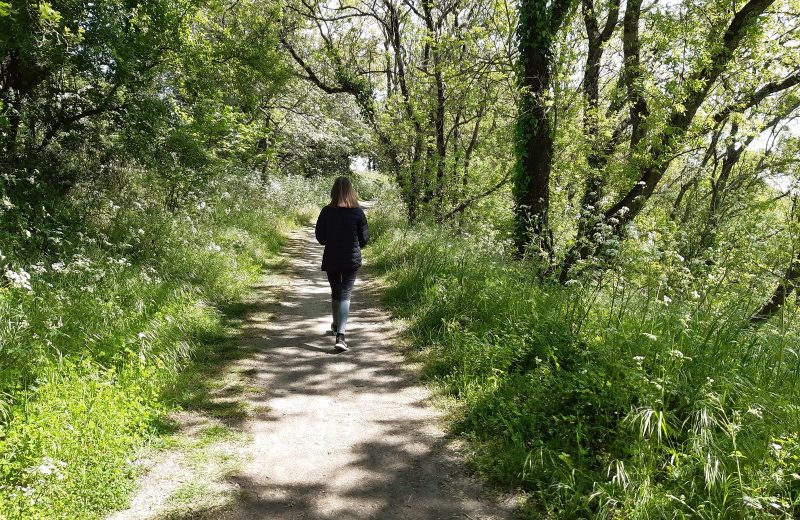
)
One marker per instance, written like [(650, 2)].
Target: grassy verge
[(609, 400), (100, 320)]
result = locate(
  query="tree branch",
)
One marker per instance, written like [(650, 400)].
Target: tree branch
[(311, 75), (467, 202), (757, 96)]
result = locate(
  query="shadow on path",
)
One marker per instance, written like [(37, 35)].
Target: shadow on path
[(341, 436)]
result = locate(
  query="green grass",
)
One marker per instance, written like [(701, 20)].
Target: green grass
[(123, 307), (601, 399)]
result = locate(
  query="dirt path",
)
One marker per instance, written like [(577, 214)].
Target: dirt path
[(348, 436), (338, 436)]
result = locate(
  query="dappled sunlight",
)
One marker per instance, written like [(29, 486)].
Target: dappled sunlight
[(348, 435)]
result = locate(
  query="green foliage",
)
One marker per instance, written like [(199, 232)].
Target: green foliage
[(618, 399), (432, 86), (319, 136), (144, 153), (97, 328), (371, 185)]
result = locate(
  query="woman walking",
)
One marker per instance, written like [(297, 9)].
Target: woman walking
[(342, 229)]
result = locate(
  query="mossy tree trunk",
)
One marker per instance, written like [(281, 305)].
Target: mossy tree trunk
[(539, 21)]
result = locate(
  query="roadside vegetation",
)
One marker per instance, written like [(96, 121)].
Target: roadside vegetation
[(644, 392), (102, 325)]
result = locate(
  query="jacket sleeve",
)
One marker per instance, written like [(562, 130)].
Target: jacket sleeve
[(321, 227), (363, 231)]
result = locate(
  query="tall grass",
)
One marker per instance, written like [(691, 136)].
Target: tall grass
[(99, 319), (620, 397)]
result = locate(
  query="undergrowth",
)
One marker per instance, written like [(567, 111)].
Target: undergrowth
[(627, 396), (103, 308)]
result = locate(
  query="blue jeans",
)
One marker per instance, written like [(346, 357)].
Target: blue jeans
[(341, 284), (341, 289)]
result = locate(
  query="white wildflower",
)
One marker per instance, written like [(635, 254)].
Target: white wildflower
[(752, 502), (57, 267), (214, 248), (19, 279), (695, 295), (80, 261), (677, 354), (649, 336), (47, 467), (6, 203), (201, 205), (667, 299), (755, 411)]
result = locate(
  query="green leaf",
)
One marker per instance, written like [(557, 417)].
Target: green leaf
[(49, 14)]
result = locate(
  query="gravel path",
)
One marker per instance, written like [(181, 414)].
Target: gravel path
[(346, 436)]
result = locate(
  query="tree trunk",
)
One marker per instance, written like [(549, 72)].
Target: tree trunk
[(538, 25), (783, 290), (597, 156), (414, 191)]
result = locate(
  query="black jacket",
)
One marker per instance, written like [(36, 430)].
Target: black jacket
[(343, 232)]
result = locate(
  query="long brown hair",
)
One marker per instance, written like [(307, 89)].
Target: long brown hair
[(342, 194)]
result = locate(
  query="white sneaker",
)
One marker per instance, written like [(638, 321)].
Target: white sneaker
[(341, 346)]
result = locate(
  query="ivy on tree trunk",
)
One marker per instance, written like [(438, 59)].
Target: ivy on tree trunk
[(539, 21)]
